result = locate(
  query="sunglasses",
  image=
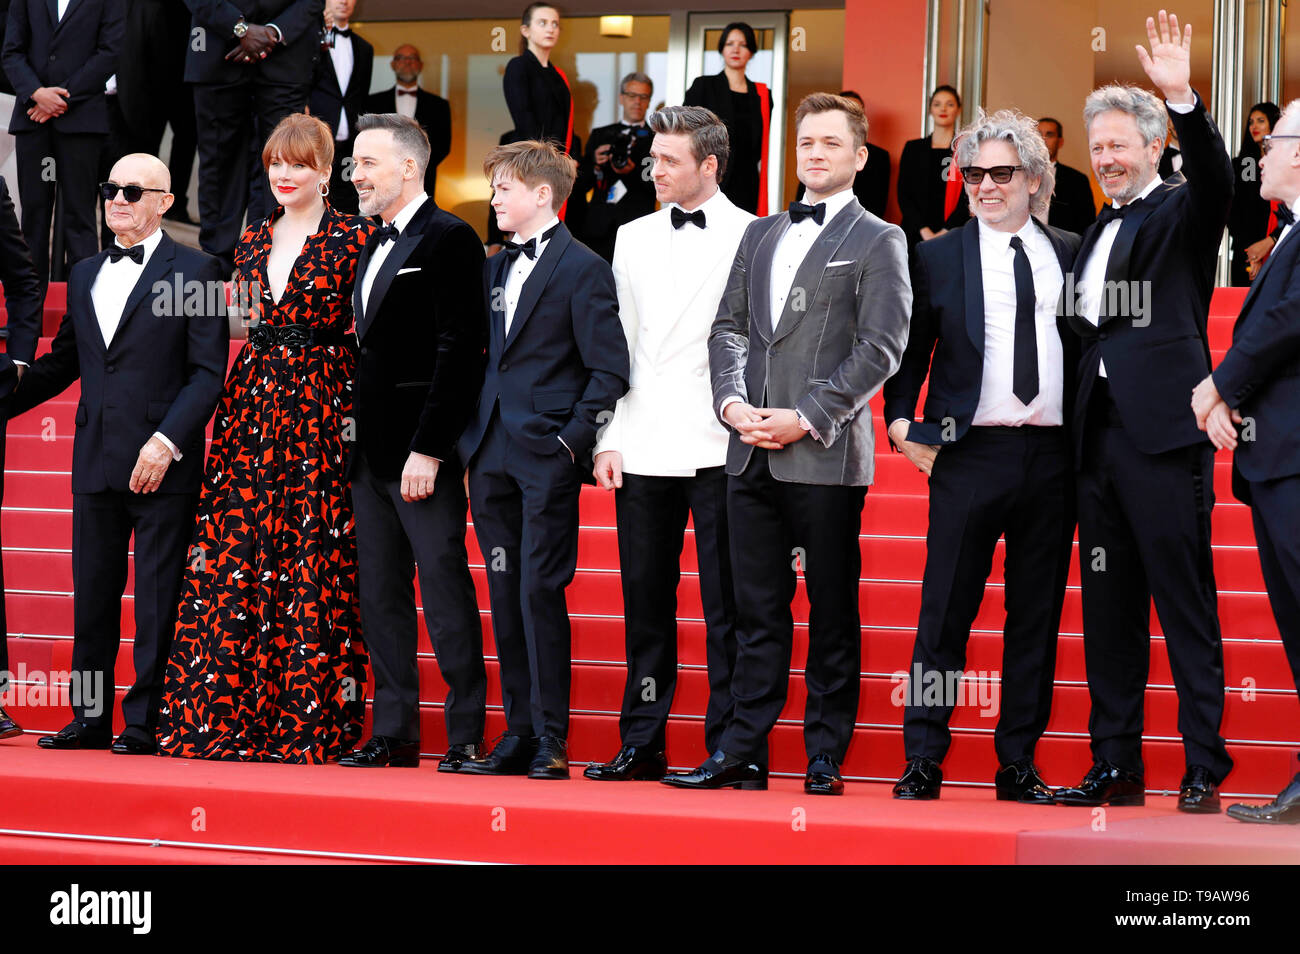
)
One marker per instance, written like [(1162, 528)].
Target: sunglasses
[(1267, 142), (133, 193), (974, 175)]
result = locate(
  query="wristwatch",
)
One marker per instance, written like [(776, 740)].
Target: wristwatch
[(240, 29)]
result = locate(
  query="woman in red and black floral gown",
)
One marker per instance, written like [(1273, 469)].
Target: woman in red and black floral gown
[(268, 663)]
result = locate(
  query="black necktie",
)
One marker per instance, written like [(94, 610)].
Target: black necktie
[(135, 253), (1284, 215), (680, 218), (530, 247), (384, 233), (1109, 212), (799, 211), (1024, 373)]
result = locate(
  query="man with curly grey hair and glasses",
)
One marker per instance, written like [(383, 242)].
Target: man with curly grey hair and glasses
[(994, 444), (1138, 299)]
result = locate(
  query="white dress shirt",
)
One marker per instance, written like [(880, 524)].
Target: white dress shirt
[(109, 291), (690, 242), (63, 7), (1295, 209), (406, 104), (998, 405), (522, 267), (342, 57), (377, 257), (793, 248)]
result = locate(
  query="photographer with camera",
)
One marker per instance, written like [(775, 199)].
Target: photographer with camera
[(615, 169)]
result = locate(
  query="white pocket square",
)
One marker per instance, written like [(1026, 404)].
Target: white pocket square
[(833, 264), (404, 271)]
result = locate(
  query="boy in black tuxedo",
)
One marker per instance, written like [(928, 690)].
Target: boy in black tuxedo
[(557, 363)]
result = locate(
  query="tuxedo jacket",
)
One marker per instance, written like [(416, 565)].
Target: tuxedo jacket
[(292, 62), (1260, 374), (559, 372), (663, 426), (78, 53), (326, 100), (421, 341), (433, 113), (161, 372), (1073, 208), (24, 294), (946, 339), (825, 359), (1165, 252)]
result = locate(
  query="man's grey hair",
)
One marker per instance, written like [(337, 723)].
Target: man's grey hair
[(708, 133), (1021, 131), (635, 77), (1144, 107), (411, 140)]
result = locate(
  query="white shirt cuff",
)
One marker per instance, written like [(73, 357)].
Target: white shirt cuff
[(727, 402), (567, 448), (176, 454), (279, 37), (23, 363), (1181, 107)]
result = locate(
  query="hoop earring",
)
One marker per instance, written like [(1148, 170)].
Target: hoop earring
[(322, 188)]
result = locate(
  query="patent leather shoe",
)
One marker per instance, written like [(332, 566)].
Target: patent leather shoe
[(1105, 784), (511, 755), (823, 776), (383, 750), (458, 755), (922, 780), (135, 741), (551, 760), (1198, 793), (1020, 782), (721, 770), (632, 764), (77, 735), (1283, 810), (8, 727)]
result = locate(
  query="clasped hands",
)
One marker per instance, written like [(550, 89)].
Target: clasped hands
[(254, 45), (1214, 416), (50, 101), (769, 427)]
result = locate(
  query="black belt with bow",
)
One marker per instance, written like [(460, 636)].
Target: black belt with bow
[(263, 337)]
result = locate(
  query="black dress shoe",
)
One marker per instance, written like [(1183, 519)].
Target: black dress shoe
[(1105, 784), (922, 779), (1198, 793), (129, 743), (721, 770), (8, 727), (631, 764), (382, 750), (551, 760), (1283, 810), (1020, 782), (77, 735), (512, 755), (458, 755), (823, 777)]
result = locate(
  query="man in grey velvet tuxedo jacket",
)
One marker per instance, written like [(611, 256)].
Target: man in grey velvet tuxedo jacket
[(813, 321)]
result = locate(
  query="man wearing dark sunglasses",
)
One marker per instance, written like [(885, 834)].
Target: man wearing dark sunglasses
[(151, 357)]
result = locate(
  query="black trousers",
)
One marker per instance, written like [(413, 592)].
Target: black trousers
[(233, 122), (1144, 532), (102, 527), (525, 508), (395, 538), (652, 514), (1015, 481), (343, 194), (1275, 507), (48, 159), (776, 526)]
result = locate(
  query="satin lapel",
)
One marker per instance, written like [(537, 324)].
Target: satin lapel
[(1289, 250), (362, 262), (405, 244), (808, 275), (80, 302), (537, 281), (1117, 267), (496, 279), (72, 5), (53, 7), (973, 275), (157, 268), (1058, 245), (702, 270), (760, 287)]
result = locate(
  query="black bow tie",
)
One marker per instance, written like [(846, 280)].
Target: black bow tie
[(1109, 212), (135, 253), (408, 92), (680, 218), (385, 233), (341, 31), (1284, 215), (799, 211), (529, 248)]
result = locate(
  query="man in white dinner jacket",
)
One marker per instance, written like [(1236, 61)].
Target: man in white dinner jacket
[(663, 451)]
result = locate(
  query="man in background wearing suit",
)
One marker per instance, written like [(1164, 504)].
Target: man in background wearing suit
[(251, 63), (1072, 206), (813, 321), (663, 452), (151, 369), (59, 57), (1143, 276), (993, 443), (1257, 384), (421, 329), (24, 295), (557, 362), (432, 112), (339, 93)]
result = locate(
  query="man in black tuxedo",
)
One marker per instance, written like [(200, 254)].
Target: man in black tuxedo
[(1138, 298), (24, 295), (615, 169), (432, 112), (557, 364), (1072, 206), (58, 58), (251, 63), (813, 321), (151, 368), (994, 445), (339, 92), (1257, 385), (421, 327)]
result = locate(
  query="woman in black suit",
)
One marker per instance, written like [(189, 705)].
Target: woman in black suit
[(1250, 217), (931, 205), (746, 109)]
